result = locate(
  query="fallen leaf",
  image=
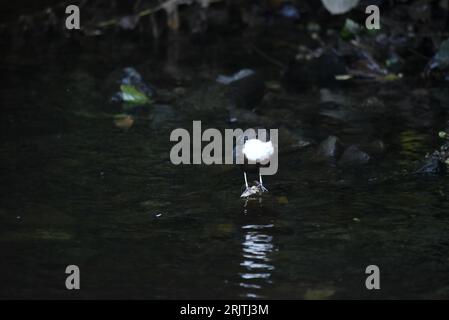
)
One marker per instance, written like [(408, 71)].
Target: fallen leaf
[(131, 94), (124, 121)]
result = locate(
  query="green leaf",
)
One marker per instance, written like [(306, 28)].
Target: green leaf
[(350, 30), (131, 94)]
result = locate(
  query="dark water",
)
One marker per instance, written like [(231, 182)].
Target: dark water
[(77, 189)]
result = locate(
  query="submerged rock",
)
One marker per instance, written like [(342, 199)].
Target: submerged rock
[(227, 80), (374, 148), (432, 165), (318, 71), (330, 148), (373, 104), (353, 155), (246, 92), (246, 88), (437, 162), (217, 100), (334, 98), (440, 61), (289, 11)]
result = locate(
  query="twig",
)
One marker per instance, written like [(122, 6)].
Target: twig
[(163, 5), (267, 57), (143, 13), (419, 54)]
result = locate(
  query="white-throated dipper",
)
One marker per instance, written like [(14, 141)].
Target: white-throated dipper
[(256, 154)]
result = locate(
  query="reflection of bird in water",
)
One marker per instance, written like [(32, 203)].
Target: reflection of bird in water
[(256, 154), (257, 247), (258, 244)]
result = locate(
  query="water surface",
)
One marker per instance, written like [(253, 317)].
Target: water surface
[(76, 189)]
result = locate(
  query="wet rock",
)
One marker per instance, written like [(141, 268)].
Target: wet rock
[(365, 66), (247, 92), (217, 100), (339, 113), (227, 80), (290, 141), (440, 61), (328, 97), (318, 71), (440, 95), (373, 104), (128, 22), (374, 148), (432, 165), (278, 116), (330, 148), (246, 88), (289, 11), (353, 155)]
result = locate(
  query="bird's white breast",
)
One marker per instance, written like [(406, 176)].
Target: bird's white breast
[(257, 150)]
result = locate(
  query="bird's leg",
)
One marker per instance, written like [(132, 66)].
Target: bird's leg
[(261, 184), (248, 191)]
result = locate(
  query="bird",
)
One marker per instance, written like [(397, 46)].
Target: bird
[(259, 153)]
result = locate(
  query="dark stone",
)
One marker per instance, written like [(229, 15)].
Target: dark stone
[(247, 92), (320, 71), (432, 165), (330, 148), (353, 155), (374, 148)]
